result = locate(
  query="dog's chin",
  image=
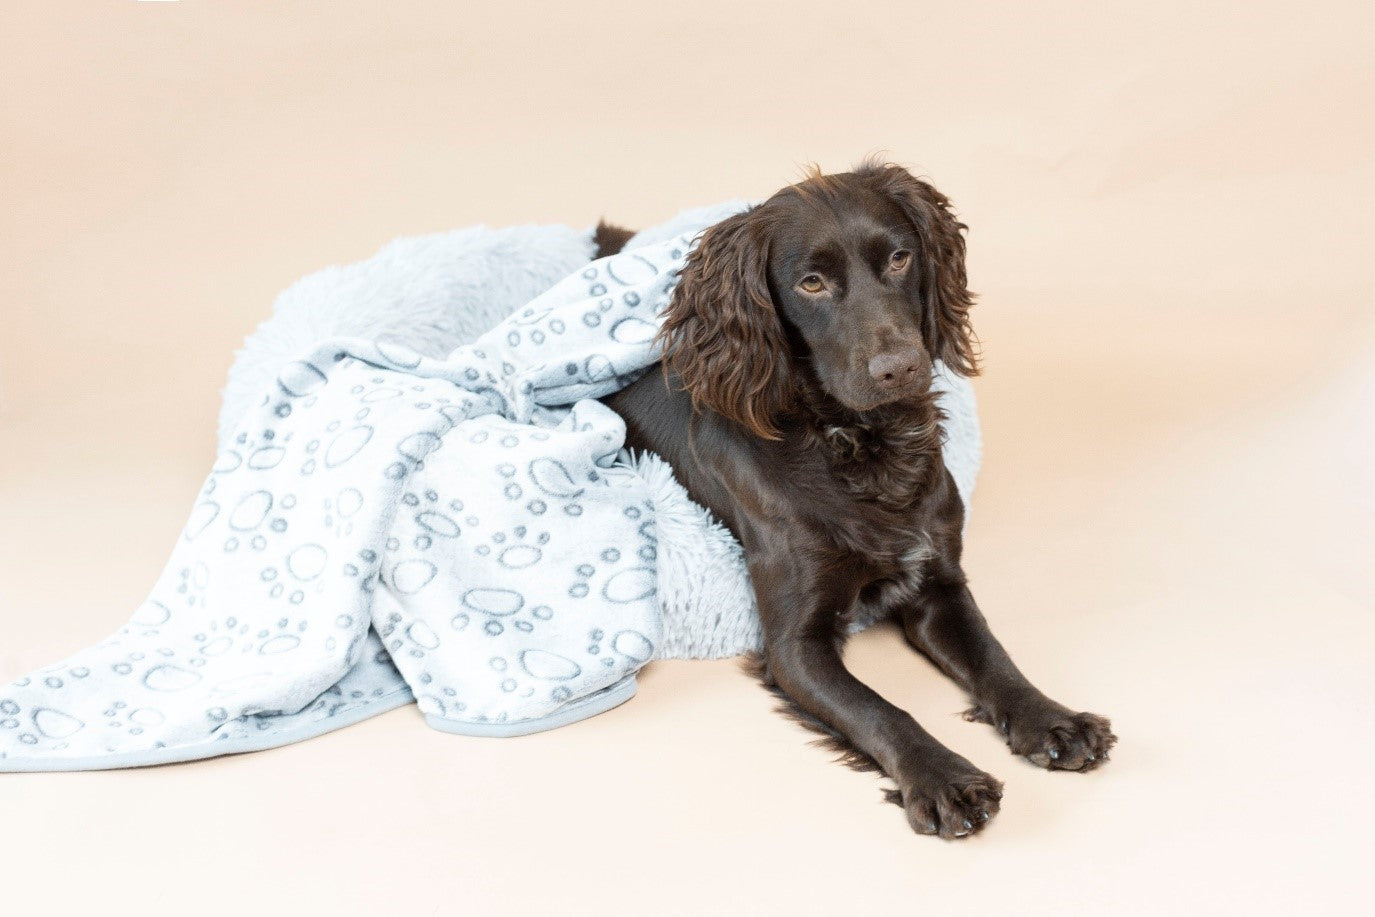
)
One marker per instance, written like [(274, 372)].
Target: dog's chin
[(872, 399)]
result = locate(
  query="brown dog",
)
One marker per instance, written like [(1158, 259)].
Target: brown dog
[(796, 404)]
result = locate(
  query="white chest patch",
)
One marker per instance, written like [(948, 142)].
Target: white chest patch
[(914, 558), (879, 604)]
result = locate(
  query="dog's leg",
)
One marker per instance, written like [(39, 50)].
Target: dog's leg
[(941, 792), (945, 625)]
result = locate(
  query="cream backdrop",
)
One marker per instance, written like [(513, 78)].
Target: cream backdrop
[(1171, 234)]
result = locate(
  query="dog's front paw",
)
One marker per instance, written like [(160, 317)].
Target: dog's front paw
[(953, 804), (1051, 736)]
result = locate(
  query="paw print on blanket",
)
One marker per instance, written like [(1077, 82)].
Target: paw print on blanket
[(494, 603), (303, 568), (119, 716), (445, 702), (28, 725), (414, 638), (511, 489), (632, 645), (643, 516), (408, 577), (341, 509), (434, 520), (515, 549), (230, 635), (146, 621), (194, 581), (256, 518), (524, 619)]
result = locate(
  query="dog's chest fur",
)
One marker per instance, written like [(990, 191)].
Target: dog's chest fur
[(887, 463)]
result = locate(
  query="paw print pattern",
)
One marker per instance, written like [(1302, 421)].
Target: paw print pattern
[(234, 636), (517, 581), (518, 549), (459, 527)]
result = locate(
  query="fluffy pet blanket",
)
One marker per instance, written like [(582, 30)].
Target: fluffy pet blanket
[(383, 526)]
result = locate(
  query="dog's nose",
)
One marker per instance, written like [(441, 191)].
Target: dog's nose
[(895, 370)]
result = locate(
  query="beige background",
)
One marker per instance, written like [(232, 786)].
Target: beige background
[(1171, 233)]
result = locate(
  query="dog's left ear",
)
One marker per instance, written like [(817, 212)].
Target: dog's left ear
[(945, 295)]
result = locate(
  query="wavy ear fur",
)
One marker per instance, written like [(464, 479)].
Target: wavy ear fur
[(721, 331), (944, 291)]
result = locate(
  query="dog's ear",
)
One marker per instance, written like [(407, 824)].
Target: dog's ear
[(946, 299), (721, 331)]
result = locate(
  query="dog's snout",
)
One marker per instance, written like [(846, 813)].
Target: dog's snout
[(895, 370)]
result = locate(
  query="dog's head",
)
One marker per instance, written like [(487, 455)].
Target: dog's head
[(858, 276)]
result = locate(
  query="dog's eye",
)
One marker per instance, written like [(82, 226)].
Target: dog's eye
[(812, 284), (900, 259)]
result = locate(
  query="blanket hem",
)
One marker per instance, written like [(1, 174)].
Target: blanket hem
[(179, 753), (585, 708)]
